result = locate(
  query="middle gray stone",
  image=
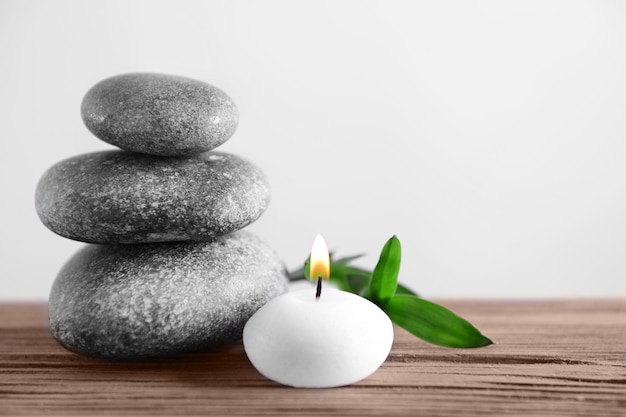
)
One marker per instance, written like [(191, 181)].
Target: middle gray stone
[(124, 197)]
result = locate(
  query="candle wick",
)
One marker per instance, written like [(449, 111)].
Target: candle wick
[(319, 288)]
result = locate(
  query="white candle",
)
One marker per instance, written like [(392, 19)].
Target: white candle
[(336, 340), (301, 340)]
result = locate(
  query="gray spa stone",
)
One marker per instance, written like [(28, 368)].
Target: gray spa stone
[(159, 114), (126, 197), (125, 302)]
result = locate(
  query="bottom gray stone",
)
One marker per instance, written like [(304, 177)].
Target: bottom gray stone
[(125, 302)]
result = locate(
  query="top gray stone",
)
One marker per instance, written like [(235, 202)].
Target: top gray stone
[(159, 114)]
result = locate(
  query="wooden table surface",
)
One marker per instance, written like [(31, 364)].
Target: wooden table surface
[(551, 358)]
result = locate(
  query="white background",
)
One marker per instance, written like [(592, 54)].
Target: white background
[(490, 136)]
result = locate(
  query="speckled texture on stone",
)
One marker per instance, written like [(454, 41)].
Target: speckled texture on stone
[(125, 302), (159, 114), (126, 197)]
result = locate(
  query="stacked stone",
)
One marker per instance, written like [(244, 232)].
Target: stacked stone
[(167, 269)]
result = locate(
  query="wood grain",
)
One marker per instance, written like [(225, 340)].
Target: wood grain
[(551, 358)]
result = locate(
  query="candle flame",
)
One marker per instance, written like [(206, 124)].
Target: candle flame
[(320, 259)]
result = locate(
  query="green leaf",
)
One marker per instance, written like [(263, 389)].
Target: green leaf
[(358, 284), (307, 268), (402, 290), (296, 275), (385, 275), (358, 279), (426, 320), (339, 278), (346, 277), (433, 323), (346, 259)]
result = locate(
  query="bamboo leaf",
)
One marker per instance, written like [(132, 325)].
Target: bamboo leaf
[(338, 277), (385, 275), (426, 320), (346, 259), (296, 275), (433, 323), (307, 268), (402, 290), (358, 283)]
